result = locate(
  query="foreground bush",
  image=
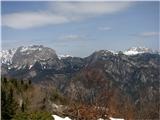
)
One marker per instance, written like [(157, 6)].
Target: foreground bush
[(33, 116)]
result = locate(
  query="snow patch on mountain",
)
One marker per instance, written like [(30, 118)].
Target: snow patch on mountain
[(7, 55), (31, 48), (56, 117), (30, 66), (64, 56), (111, 118)]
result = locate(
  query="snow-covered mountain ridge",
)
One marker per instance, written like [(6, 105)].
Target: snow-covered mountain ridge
[(39, 53), (138, 50)]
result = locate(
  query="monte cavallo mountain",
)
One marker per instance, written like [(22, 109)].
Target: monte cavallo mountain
[(131, 76)]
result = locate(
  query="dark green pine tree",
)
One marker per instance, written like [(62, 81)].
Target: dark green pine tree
[(22, 107), (22, 82), (30, 82), (8, 104), (4, 80)]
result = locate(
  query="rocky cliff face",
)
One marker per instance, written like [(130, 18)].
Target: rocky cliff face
[(29, 55)]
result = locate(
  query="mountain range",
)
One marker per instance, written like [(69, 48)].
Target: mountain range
[(9, 56), (132, 75)]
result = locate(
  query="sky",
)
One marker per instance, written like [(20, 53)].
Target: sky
[(80, 28)]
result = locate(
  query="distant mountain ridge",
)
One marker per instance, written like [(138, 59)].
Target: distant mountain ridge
[(37, 59), (8, 56)]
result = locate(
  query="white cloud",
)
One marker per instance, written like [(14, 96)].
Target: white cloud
[(31, 19), (62, 12), (149, 34)]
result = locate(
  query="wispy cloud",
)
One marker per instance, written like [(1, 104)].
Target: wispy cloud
[(146, 34), (85, 9), (62, 12), (105, 28), (149, 34), (71, 37)]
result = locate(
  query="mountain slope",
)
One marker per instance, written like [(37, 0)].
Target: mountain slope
[(119, 82)]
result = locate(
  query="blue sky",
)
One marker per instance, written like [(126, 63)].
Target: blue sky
[(80, 28)]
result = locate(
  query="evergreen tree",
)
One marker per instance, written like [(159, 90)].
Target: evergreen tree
[(5, 80), (22, 107), (22, 82), (8, 104), (30, 82)]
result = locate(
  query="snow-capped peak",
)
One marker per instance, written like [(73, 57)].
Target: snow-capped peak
[(7, 55), (137, 50), (26, 56)]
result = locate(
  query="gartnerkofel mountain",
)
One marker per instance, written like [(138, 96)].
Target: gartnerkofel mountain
[(132, 75)]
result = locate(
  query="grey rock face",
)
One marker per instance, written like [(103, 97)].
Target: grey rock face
[(29, 55)]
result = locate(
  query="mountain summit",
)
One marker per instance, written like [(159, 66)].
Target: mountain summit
[(26, 56), (137, 50)]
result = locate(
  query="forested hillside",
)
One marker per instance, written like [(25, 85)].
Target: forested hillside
[(23, 100)]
